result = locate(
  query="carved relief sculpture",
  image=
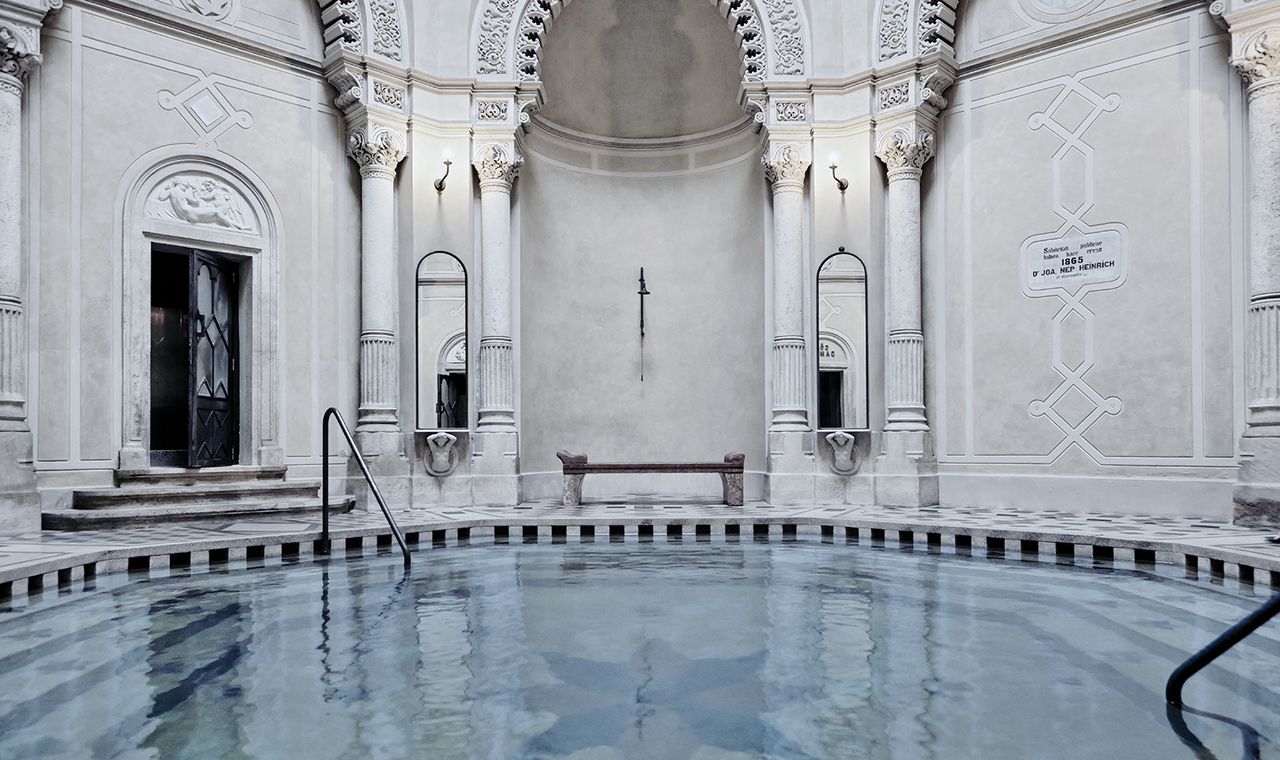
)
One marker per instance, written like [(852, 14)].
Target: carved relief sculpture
[(385, 17), (201, 199), (376, 149)]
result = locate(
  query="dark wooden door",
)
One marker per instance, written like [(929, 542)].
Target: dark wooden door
[(213, 387)]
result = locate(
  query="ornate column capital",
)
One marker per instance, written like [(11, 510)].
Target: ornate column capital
[(785, 165), (497, 166), (1257, 59), (19, 54), (377, 150), (905, 151)]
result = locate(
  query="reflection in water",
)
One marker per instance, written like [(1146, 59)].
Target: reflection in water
[(659, 650), (1251, 740)]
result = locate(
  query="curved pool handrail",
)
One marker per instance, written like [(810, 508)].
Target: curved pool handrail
[(333, 413), (1229, 638)]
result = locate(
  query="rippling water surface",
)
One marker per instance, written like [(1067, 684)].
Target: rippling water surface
[(717, 650)]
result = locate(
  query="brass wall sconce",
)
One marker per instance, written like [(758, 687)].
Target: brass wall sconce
[(440, 182), (843, 184)]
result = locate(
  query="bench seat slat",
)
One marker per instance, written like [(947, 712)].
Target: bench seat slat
[(602, 467)]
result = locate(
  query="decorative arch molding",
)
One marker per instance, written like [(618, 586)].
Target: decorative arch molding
[(508, 36), (185, 195), (364, 26), (915, 28)]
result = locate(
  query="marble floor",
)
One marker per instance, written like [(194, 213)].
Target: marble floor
[(1217, 547)]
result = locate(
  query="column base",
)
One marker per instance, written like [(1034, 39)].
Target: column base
[(19, 500), (495, 469), (906, 472), (790, 478), (383, 451), (1257, 491)]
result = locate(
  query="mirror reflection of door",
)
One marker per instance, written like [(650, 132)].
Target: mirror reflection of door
[(442, 343), (194, 362), (842, 398)]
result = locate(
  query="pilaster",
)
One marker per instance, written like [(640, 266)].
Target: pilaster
[(20, 23), (498, 114), (908, 101), (786, 160), (1255, 44)]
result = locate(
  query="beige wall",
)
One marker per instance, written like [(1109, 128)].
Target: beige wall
[(700, 238), (1163, 343), (94, 110)]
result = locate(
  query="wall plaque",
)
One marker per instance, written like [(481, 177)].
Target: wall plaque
[(1069, 263)]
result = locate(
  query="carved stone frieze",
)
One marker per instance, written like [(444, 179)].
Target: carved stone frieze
[(201, 199), (385, 18), (491, 46), (497, 165), (788, 37), (388, 95), (491, 110), (1259, 58), (894, 18), (790, 110), (905, 150), (893, 96), (377, 150), (785, 164)]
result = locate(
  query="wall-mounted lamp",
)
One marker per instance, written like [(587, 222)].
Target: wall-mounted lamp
[(440, 182), (843, 184)]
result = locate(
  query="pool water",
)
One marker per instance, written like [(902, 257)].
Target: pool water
[(716, 650)]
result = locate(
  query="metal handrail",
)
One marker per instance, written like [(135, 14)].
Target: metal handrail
[(331, 412), (1232, 636)]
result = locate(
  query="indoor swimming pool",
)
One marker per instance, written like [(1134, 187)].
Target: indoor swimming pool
[(638, 650)]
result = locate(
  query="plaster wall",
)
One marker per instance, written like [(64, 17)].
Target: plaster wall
[(85, 131), (584, 236), (1142, 377)]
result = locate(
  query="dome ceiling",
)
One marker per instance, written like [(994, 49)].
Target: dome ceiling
[(641, 69)]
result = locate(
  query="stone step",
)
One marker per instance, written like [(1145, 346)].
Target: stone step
[(199, 494), (140, 515), (181, 476)]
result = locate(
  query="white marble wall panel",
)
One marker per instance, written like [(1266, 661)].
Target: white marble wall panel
[(1150, 100), (992, 26), (87, 131), (700, 237)]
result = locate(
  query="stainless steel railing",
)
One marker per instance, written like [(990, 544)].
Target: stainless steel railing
[(332, 413)]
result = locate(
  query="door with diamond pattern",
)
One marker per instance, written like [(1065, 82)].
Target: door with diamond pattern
[(214, 429)]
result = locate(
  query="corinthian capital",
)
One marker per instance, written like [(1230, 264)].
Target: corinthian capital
[(785, 165), (497, 166), (18, 54), (1258, 59), (905, 151), (377, 150)]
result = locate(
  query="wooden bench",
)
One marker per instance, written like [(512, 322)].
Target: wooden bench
[(576, 467)]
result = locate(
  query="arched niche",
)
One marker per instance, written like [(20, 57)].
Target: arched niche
[(442, 366), (842, 398), (185, 199)]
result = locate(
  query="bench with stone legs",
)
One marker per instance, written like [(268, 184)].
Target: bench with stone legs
[(576, 467)]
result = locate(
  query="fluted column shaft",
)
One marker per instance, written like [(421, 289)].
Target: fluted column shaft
[(904, 154), (785, 167), (1259, 63), (497, 167), (378, 151), (13, 334)]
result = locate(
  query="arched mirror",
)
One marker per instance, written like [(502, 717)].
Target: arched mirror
[(442, 343), (842, 343)]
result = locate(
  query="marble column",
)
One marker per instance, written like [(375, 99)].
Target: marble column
[(495, 449), (905, 471), (1257, 491), (378, 151), (785, 168), (19, 505), (791, 463), (497, 167)]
